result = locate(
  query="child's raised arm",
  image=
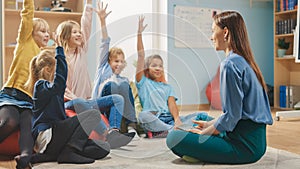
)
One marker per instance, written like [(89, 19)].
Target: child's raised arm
[(61, 72), (140, 50), (86, 23), (102, 14), (104, 48), (26, 26)]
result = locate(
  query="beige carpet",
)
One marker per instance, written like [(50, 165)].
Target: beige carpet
[(154, 154)]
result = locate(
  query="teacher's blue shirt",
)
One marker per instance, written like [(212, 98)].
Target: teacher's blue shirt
[(243, 97)]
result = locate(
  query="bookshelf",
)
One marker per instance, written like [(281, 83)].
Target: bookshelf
[(286, 70), (11, 20)]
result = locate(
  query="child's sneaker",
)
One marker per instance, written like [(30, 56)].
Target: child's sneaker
[(117, 140), (132, 130), (160, 134)]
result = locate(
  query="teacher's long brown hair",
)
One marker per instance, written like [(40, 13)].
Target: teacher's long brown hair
[(239, 41)]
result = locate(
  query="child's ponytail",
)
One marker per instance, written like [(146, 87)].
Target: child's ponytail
[(37, 65)]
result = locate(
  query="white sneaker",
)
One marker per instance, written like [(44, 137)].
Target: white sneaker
[(136, 137)]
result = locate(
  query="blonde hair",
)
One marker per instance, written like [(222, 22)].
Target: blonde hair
[(114, 52), (46, 58), (64, 31), (148, 61), (39, 23)]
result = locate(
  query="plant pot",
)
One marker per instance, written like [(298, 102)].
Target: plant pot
[(281, 52)]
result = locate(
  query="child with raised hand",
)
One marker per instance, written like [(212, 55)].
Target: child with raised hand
[(57, 137), (108, 79), (74, 38), (158, 98), (160, 114), (15, 98)]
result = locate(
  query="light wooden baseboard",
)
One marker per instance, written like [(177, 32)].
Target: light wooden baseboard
[(192, 107)]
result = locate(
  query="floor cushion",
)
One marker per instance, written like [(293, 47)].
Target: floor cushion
[(94, 134), (10, 146), (71, 113)]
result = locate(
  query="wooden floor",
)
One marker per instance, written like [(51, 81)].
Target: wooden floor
[(283, 134)]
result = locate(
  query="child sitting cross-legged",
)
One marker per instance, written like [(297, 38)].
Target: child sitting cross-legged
[(108, 80), (57, 137), (160, 114)]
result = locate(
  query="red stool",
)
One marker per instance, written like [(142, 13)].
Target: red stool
[(94, 134), (10, 146), (71, 113)]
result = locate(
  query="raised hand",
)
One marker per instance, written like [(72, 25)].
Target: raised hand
[(140, 50), (141, 24), (57, 39), (102, 11)]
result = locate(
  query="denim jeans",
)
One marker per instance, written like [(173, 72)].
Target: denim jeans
[(111, 106), (150, 122), (124, 90)]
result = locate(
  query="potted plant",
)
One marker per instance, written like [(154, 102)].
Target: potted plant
[(282, 47)]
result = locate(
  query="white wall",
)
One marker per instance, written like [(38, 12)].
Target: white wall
[(199, 65), (122, 26)]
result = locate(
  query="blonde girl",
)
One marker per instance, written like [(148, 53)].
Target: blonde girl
[(57, 137), (74, 38), (41, 67), (15, 98)]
